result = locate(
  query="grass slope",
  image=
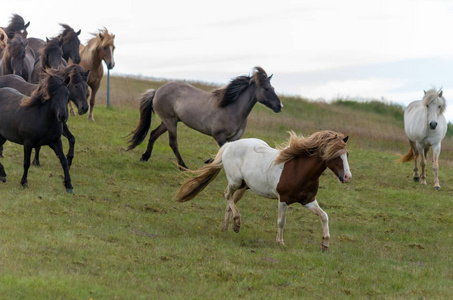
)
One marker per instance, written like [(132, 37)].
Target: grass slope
[(122, 235)]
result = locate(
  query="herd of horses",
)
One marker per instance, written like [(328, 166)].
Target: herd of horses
[(39, 78)]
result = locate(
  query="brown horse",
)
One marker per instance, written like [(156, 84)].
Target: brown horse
[(3, 41), (290, 174), (99, 48), (17, 58), (221, 114), (16, 25)]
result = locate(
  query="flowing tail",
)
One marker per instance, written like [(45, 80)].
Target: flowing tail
[(193, 186), (146, 110), (408, 156)]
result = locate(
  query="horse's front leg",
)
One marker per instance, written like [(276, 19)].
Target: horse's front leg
[(236, 197), (436, 153), (422, 164), (71, 140), (57, 147), (36, 159), (94, 90), (71, 110), (27, 158), (282, 208), (314, 208)]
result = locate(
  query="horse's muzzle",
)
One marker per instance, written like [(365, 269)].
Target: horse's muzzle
[(433, 125)]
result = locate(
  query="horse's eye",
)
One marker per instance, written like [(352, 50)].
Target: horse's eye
[(439, 106), (105, 48)]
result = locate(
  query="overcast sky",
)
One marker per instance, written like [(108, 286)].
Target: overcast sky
[(379, 49)]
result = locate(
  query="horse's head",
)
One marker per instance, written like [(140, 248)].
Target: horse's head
[(265, 92), (106, 48), (52, 53), (338, 162), (71, 44), (78, 87), (15, 51), (54, 89), (435, 106)]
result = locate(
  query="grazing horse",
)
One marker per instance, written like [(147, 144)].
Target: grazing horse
[(36, 121), (17, 59), (70, 44), (425, 127), (78, 91), (16, 25), (290, 174), (3, 41), (50, 57), (99, 48), (221, 114)]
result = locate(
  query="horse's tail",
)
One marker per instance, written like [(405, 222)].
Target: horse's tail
[(193, 186), (146, 110), (408, 156)]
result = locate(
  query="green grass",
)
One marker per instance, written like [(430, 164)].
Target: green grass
[(123, 236)]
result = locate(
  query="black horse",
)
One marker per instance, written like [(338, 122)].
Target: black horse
[(16, 25), (36, 121), (78, 90)]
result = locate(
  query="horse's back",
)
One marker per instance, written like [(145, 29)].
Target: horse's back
[(16, 82), (35, 44)]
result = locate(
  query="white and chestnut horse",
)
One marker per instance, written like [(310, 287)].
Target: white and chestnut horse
[(290, 174), (425, 127)]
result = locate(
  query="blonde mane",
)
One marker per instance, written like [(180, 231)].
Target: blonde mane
[(326, 144), (101, 39)]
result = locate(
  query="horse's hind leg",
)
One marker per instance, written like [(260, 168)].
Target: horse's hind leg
[(314, 208), (282, 208), (230, 198), (236, 197), (155, 134), (172, 135), (436, 153)]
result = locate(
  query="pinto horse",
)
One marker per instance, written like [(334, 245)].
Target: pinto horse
[(221, 114), (17, 58), (290, 174), (77, 87), (50, 57), (425, 127), (99, 48), (36, 121), (16, 25)]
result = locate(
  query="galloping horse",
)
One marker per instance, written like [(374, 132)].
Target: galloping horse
[(290, 174), (221, 114), (77, 87), (35, 121), (98, 49), (70, 44), (50, 57), (17, 59), (16, 25), (425, 127)]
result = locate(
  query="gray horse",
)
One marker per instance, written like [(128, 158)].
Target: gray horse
[(221, 114)]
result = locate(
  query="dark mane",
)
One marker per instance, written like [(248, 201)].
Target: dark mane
[(75, 72), (16, 24), (68, 33), (47, 87), (229, 94), (16, 47), (51, 46)]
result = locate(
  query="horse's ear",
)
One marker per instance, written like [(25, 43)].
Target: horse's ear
[(270, 77), (26, 25), (60, 41), (440, 93), (47, 39), (101, 36), (346, 139), (78, 32), (424, 92)]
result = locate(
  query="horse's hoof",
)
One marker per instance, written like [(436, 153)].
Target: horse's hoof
[(324, 248), (416, 179), (25, 185), (236, 229), (36, 163), (437, 188), (2, 179), (70, 190)]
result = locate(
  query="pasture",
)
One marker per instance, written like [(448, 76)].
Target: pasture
[(123, 236)]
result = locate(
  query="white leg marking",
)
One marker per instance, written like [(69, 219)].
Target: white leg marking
[(314, 208)]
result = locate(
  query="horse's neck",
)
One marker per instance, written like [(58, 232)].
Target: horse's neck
[(89, 55), (244, 105)]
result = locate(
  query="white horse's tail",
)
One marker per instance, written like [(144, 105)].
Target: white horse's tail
[(408, 156), (193, 186)]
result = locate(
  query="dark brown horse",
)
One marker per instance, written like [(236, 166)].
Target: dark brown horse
[(17, 58), (290, 174), (50, 57), (221, 114), (36, 121), (99, 48), (77, 87), (70, 44), (16, 25)]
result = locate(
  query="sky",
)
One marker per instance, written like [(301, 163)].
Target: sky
[(389, 50)]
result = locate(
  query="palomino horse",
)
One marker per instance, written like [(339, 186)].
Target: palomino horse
[(70, 44), (425, 127), (17, 59), (98, 49), (221, 114), (36, 121), (3, 41), (290, 174), (16, 25), (50, 57), (77, 87)]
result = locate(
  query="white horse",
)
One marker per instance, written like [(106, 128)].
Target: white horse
[(425, 127), (290, 175)]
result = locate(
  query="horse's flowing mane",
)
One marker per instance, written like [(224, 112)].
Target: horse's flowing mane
[(16, 47), (68, 32), (50, 46), (75, 72), (229, 94), (49, 84), (101, 39), (431, 96), (16, 24), (326, 144)]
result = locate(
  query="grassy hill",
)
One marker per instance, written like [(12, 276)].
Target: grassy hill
[(122, 235)]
